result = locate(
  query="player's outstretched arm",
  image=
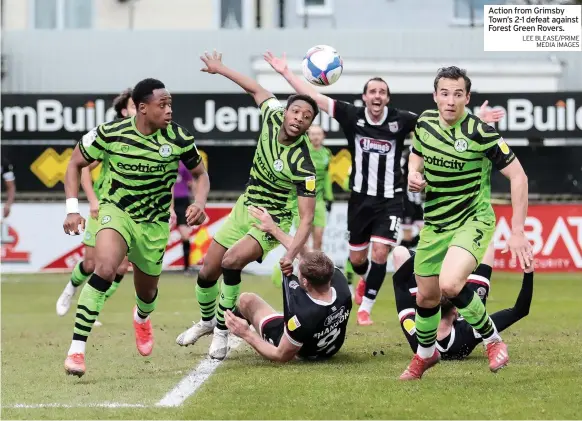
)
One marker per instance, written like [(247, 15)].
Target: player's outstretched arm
[(266, 224), (214, 65), (280, 66), (286, 351), (518, 243), (505, 318)]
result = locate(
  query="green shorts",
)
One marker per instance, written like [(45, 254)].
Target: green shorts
[(474, 236), (239, 223), (319, 217), (91, 226), (146, 241)]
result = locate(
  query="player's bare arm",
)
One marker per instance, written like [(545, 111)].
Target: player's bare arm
[(518, 243), (214, 65), (72, 180), (306, 212), (280, 66), (266, 224), (87, 185), (286, 351), (416, 182), (195, 213)]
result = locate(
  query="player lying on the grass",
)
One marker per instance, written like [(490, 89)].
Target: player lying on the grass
[(456, 339), (282, 169), (316, 306), (143, 154), (453, 153), (124, 107)]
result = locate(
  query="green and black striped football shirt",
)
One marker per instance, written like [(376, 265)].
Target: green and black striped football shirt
[(279, 173), (457, 167), (141, 170)]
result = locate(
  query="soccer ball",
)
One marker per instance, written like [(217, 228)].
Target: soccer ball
[(322, 65)]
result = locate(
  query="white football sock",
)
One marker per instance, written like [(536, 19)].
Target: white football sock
[(77, 347), (425, 353), (139, 319), (366, 305)]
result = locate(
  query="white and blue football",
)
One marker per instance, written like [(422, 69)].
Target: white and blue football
[(322, 65)]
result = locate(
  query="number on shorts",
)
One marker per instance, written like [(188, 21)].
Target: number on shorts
[(328, 340), (395, 223)]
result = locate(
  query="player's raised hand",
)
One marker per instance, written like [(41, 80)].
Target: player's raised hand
[(213, 62), (490, 115), (266, 223), (195, 215), (278, 64), (520, 247), (286, 266), (236, 325), (74, 224), (416, 183)]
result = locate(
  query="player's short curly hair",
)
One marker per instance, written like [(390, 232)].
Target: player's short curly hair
[(305, 98), (452, 72), (316, 267), (145, 89), (120, 102)]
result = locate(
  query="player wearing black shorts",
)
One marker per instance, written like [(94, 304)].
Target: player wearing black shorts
[(456, 339), (375, 135), (316, 308)]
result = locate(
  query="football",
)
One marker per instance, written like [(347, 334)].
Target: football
[(322, 65)]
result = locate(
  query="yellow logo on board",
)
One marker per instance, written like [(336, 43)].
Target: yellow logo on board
[(50, 167)]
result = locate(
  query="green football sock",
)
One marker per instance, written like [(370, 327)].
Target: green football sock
[(206, 293), (144, 309), (228, 295), (113, 287), (79, 275), (427, 322), (90, 303), (473, 311)]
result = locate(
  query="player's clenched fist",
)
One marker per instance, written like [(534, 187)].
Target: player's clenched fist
[(74, 224), (416, 183), (195, 215)]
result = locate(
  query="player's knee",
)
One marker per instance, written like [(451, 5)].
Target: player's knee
[(89, 265), (122, 270), (400, 255), (451, 289), (233, 260), (245, 303), (425, 301), (106, 270), (358, 260), (380, 253), (210, 271)]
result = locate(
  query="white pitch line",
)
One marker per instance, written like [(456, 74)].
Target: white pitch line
[(87, 405), (196, 378)]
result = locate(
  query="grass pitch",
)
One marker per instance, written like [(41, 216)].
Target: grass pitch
[(543, 380)]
